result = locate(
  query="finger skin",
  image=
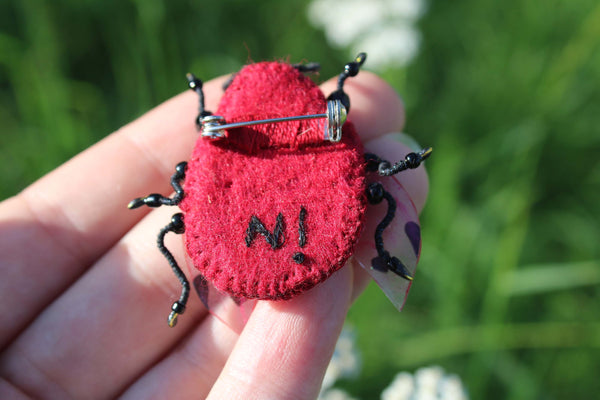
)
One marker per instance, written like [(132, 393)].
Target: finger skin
[(189, 371), (109, 327), (285, 347), (8, 391), (71, 216)]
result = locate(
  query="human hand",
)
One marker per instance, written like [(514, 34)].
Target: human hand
[(85, 292)]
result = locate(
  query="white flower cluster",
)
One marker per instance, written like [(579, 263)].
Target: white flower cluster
[(345, 363), (430, 383), (384, 29), (427, 384)]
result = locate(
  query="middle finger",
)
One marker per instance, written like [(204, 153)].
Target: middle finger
[(109, 326)]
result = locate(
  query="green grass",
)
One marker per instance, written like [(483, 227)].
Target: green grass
[(507, 93)]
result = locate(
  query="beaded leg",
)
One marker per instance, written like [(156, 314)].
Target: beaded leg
[(307, 68), (385, 168), (196, 84), (350, 69), (384, 262), (156, 200), (376, 194), (176, 226)]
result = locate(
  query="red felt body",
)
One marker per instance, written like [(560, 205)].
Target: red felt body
[(265, 170)]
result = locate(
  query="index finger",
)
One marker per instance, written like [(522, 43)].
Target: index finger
[(61, 224)]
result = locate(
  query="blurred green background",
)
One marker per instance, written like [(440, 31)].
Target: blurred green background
[(507, 292)]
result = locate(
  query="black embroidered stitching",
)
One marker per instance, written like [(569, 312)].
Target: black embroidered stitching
[(302, 227), (275, 239)]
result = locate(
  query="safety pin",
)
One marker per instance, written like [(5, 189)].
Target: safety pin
[(214, 126)]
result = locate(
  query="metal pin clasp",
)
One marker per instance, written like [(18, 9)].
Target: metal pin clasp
[(214, 126)]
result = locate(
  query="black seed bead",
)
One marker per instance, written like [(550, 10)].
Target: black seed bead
[(341, 96), (195, 83), (177, 223), (372, 162), (352, 68), (375, 193), (384, 168), (180, 168), (153, 200), (396, 266), (412, 160), (298, 258), (178, 307)]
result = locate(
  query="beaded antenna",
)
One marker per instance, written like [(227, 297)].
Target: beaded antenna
[(274, 196)]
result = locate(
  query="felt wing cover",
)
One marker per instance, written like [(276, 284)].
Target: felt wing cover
[(267, 193)]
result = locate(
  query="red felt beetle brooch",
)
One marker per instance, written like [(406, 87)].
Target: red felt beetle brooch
[(275, 193)]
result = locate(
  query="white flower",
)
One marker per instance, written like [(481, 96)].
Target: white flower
[(451, 388), (430, 383), (385, 29), (401, 388), (427, 384), (345, 362), (335, 394), (427, 380), (389, 45)]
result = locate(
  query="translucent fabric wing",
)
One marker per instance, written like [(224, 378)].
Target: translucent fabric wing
[(402, 238), (233, 312)]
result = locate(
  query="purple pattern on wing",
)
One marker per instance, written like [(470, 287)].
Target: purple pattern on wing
[(237, 300), (201, 286), (413, 231)]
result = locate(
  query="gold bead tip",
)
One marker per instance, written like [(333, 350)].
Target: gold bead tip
[(427, 152), (191, 80), (135, 203), (173, 319)]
